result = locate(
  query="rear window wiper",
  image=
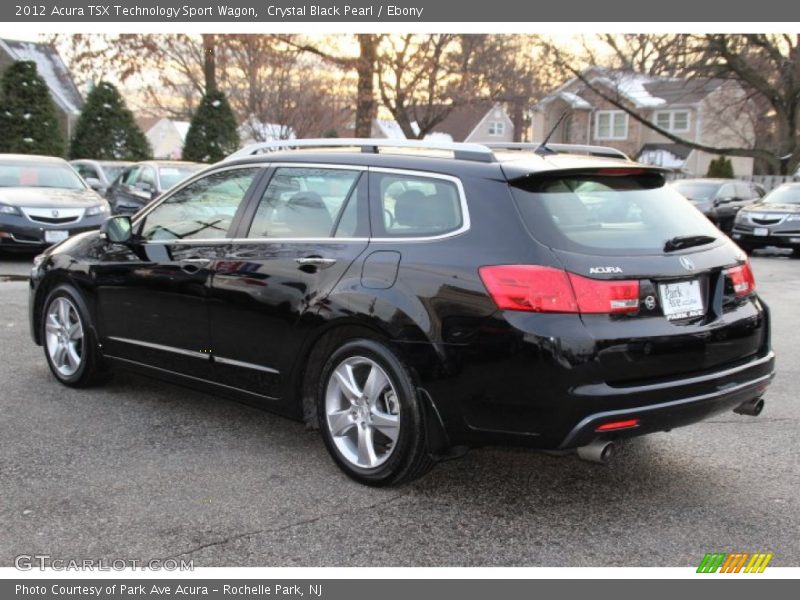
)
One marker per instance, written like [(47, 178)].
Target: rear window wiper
[(687, 241)]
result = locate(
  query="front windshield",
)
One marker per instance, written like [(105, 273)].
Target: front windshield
[(786, 194), (697, 192), (20, 173), (171, 176)]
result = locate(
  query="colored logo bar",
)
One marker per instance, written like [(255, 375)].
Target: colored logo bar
[(737, 562)]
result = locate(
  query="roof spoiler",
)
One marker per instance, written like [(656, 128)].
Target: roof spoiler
[(600, 151)]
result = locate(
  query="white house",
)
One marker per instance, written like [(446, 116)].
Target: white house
[(167, 137)]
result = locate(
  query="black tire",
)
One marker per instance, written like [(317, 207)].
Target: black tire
[(796, 252), (408, 457), (747, 249), (90, 369)]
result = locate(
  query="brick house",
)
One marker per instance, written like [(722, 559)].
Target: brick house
[(707, 111)]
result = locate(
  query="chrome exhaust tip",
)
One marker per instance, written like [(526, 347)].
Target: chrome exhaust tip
[(751, 408), (598, 451)]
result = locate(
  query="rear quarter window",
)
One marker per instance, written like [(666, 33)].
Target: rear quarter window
[(606, 214), (415, 206)]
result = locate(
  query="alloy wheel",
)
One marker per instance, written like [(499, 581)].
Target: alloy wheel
[(64, 336), (362, 412)]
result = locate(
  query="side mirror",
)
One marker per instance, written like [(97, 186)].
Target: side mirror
[(94, 183), (144, 186), (118, 230)]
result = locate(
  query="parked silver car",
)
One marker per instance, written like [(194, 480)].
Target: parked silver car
[(99, 174), (775, 221), (44, 201)]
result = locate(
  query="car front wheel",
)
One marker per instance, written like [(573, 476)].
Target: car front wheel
[(371, 419), (68, 339)]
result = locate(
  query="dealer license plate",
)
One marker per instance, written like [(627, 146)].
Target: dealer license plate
[(681, 300), (51, 236), (761, 231)]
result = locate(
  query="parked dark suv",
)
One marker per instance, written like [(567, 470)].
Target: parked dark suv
[(719, 199), (412, 305)]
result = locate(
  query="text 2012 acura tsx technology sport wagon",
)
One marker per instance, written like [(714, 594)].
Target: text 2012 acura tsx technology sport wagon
[(415, 303)]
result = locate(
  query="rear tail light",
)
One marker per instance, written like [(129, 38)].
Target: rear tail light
[(742, 279), (533, 288)]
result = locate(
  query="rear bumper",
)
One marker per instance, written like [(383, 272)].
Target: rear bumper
[(545, 381), (733, 387)]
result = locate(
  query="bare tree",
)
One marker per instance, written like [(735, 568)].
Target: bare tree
[(766, 68), (365, 66), (651, 53), (209, 61)]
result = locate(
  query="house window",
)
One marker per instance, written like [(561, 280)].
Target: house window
[(497, 128), (676, 121), (611, 125)]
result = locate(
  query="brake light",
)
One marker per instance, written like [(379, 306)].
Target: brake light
[(529, 288), (618, 171), (742, 279), (605, 296), (615, 425), (533, 288)]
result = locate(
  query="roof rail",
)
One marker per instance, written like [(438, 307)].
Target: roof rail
[(473, 152), (604, 151)]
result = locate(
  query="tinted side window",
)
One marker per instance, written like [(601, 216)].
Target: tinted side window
[(415, 206), (306, 202), (129, 177), (204, 209)]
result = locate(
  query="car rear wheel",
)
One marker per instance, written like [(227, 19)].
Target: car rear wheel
[(68, 339), (371, 419)]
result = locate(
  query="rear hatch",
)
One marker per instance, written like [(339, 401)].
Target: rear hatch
[(660, 289)]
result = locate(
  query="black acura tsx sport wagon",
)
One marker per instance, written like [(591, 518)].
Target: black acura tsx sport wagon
[(414, 299)]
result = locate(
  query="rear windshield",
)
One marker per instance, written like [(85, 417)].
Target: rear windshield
[(607, 214)]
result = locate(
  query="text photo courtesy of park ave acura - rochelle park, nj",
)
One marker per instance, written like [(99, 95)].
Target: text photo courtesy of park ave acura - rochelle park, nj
[(377, 300)]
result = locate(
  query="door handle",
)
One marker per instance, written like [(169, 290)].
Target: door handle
[(193, 265), (315, 261)]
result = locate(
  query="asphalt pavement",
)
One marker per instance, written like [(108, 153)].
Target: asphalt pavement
[(141, 469)]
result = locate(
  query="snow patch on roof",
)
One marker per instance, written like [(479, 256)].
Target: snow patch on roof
[(391, 130), (661, 158), (438, 136), (574, 100), (252, 130), (632, 87), (52, 69)]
